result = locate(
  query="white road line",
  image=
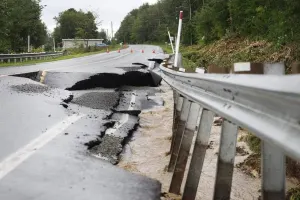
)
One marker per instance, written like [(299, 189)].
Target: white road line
[(123, 120), (125, 117), (132, 102), (15, 159)]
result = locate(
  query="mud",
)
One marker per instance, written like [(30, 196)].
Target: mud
[(31, 88)]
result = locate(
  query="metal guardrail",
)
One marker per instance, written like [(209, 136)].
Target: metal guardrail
[(266, 105), (21, 57)]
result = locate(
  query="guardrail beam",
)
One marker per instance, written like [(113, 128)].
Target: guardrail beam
[(201, 144), (184, 149)]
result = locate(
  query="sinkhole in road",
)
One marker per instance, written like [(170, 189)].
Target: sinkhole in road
[(111, 80), (84, 80)]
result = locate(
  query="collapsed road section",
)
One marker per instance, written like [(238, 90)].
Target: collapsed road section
[(62, 131), (111, 92)]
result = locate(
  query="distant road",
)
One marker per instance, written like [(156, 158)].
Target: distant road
[(94, 63)]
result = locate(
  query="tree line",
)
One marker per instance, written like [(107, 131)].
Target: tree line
[(77, 24), (209, 20), (18, 19)]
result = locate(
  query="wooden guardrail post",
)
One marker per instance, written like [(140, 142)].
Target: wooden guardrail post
[(184, 149), (201, 144), (179, 132), (272, 158)]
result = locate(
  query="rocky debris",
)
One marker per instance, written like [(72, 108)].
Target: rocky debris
[(218, 121), (251, 165), (170, 196), (109, 149), (69, 99), (241, 151), (31, 88)]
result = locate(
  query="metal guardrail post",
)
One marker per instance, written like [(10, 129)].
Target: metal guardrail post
[(179, 132), (178, 101), (225, 162), (184, 149), (198, 156), (273, 159), (273, 172)]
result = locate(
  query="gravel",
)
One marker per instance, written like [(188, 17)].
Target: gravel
[(98, 100), (109, 148), (31, 88)]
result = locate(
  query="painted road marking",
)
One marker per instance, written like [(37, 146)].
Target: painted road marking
[(125, 117), (132, 101), (43, 76), (15, 159), (119, 124)]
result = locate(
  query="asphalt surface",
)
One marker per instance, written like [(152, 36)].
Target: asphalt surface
[(62, 144)]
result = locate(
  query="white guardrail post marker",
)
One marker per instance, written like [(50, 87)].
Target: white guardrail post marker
[(178, 39), (272, 158), (171, 42)]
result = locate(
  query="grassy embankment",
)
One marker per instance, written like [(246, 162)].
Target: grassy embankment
[(72, 53), (225, 52)]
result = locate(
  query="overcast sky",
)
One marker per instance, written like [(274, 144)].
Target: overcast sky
[(108, 10)]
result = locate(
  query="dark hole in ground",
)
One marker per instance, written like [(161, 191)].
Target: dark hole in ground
[(30, 75), (109, 80), (93, 143)]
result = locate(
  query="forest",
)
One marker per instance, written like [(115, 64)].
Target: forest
[(206, 21)]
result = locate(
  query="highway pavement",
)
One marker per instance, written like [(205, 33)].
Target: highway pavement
[(62, 133)]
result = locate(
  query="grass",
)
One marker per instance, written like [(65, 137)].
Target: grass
[(72, 54), (293, 194), (225, 52), (188, 64)]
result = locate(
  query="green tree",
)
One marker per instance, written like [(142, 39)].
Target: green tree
[(75, 24)]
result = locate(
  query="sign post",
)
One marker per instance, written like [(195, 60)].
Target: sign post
[(178, 39)]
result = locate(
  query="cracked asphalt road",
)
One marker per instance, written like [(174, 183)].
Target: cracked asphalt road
[(42, 151)]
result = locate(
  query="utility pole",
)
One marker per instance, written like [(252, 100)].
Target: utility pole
[(54, 49), (28, 43), (107, 34), (112, 31)]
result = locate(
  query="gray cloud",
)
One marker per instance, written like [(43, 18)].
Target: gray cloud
[(108, 10)]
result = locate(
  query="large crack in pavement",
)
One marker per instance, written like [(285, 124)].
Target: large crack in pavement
[(104, 91), (123, 120)]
